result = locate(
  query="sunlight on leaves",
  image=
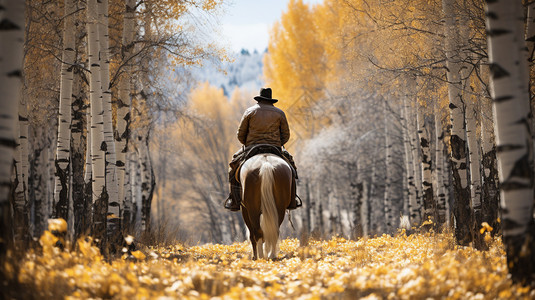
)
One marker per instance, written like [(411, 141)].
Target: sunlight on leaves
[(404, 266)]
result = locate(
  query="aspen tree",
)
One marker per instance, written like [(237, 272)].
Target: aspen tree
[(142, 133), (388, 194), (79, 147), (490, 193), (11, 53), (509, 91), (416, 160), (413, 208), (438, 178), (530, 31), (63, 149), (21, 211), (98, 144), (429, 204), (461, 187), (113, 210), (475, 174), (124, 102)]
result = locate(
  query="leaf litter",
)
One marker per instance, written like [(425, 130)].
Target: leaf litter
[(417, 266)]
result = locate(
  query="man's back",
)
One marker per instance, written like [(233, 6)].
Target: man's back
[(264, 123)]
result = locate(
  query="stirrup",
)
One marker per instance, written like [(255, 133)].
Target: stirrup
[(298, 201), (231, 205)]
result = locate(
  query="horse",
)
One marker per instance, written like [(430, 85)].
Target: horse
[(267, 189)]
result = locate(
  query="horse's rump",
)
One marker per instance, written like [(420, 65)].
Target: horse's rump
[(267, 184)]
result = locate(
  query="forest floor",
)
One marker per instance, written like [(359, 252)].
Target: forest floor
[(417, 266)]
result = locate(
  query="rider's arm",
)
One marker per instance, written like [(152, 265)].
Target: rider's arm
[(285, 130), (243, 129)]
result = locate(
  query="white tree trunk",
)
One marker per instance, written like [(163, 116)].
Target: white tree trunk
[(63, 150), (98, 153), (124, 102), (530, 31), (147, 186), (21, 209), (146, 178), (416, 162), (462, 211), (110, 154), (475, 173), (388, 193), (11, 53), (136, 189), (427, 175), (78, 160), (88, 177), (412, 208), (509, 91), (490, 193), (51, 169), (37, 185), (440, 191), (128, 211)]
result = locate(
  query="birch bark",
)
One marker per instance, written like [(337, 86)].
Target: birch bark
[(113, 210), (88, 174), (78, 149), (37, 182), (475, 174), (530, 31), (128, 212), (147, 176), (11, 53), (98, 144), (440, 191), (413, 210), (63, 149), (416, 162), (21, 209), (124, 103), (427, 176), (388, 193), (461, 188), (509, 91), (147, 186), (490, 192)]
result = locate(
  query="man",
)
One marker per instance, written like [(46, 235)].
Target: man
[(262, 123)]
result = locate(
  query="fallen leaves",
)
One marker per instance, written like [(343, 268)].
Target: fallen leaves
[(400, 267)]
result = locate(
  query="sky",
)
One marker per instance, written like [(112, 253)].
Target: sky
[(246, 23)]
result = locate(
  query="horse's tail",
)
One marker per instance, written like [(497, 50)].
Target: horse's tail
[(269, 220)]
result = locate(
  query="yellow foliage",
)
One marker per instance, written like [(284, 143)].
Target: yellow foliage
[(58, 225), (294, 66), (485, 227), (138, 255), (386, 267)]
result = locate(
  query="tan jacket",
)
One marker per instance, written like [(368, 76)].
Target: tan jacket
[(263, 123)]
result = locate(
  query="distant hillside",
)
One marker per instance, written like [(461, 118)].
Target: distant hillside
[(245, 71)]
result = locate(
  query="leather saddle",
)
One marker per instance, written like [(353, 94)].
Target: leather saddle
[(262, 149)]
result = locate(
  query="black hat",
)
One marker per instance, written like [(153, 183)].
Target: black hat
[(265, 94)]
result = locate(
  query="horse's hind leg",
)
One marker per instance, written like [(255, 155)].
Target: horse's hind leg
[(255, 233), (260, 248)]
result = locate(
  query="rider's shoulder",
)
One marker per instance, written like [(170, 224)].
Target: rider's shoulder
[(270, 107)]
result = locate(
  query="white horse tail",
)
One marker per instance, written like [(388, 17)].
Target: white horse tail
[(269, 220)]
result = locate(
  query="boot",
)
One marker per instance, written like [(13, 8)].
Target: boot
[(231, 204), (234, 197), (295, 203)]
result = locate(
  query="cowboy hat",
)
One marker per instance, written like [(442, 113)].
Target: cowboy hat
[(265, 94)]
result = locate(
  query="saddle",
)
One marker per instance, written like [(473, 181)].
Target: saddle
[(262, 149)]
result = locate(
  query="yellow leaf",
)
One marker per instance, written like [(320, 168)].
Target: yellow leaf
[(58, 225), (138, 255)]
